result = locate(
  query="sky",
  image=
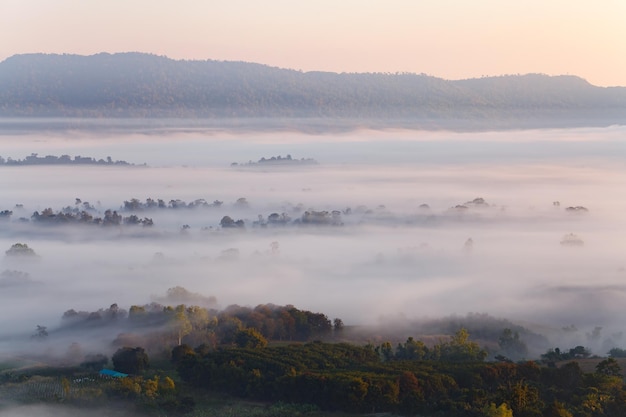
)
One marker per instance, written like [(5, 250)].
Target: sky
[(452, 39)]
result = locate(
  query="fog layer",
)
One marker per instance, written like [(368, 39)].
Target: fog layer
[(429, 224)]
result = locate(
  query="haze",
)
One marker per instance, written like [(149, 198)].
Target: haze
[(392, 257), (451, 39)]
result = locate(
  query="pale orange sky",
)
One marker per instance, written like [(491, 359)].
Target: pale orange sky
[(446, 38)]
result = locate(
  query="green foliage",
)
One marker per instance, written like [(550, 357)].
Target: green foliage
[(195, 325), (617, 353), (385, 350), (282, 409), (95, 362), (180, 351), (412, 350), (609, 367), (338, 326), (410, 394), (180, 323), (178, 405), (299, 379), (502, 410), (557, 409), (131, 360), (523, 397), (20, 250), (364, 379), (460, 349), (511, 346), (137, 314), (250, 338), (449, 378), (332, 376), (150, 387), (555, 355)]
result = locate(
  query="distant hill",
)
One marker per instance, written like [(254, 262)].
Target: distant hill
[(149, 86)]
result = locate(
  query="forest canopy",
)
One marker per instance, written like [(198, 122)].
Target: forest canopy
[(143, 85)]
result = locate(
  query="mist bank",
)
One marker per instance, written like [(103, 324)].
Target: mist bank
[(148, 86), (179, 144), (389, 255)]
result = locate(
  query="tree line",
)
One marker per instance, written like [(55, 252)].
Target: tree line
[(34, 159), (345, 377), (281, 354), (195, 325), (143, 85), (132, 212)]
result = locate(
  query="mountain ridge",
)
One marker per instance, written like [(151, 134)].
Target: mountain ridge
[(134, 84)]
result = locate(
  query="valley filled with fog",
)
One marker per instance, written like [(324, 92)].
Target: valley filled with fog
[(386, 227)]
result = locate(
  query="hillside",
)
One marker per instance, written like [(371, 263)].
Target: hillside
[(142, 85)]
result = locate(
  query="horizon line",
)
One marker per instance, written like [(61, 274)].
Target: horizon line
[(308, 72)]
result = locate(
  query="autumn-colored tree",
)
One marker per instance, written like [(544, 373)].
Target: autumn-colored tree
[(411, 395), (460, 349), (502, 410), (179, 322), (250, 338), (557, 409)]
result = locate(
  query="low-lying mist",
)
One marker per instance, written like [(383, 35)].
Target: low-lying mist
[(526, 226)]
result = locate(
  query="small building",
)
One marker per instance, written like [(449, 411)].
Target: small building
[(109, 373)]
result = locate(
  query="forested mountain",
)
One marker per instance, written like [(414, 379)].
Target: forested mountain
[(143, 85)]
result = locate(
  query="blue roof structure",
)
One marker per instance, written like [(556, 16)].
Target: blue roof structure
[(112, 373)]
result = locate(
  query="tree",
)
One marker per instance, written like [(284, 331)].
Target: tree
[(572, 240), (461, 349), (180, 323), (338, 326), (41, 332), (250, 338), (579, 352), (21, 250), (94, 362), (228, 222), (166, 386), (136, 313), (151, 387), (492, 411), (198, 317), (609, 367), (180, 351), (511, 345), (557, 409), (385, 351), (227, 328), (410, 393), (131, 360), (412, 350), (617, 353), (111, 218)]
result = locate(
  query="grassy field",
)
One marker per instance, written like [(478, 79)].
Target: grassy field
[(588, 365), (11, 363)]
